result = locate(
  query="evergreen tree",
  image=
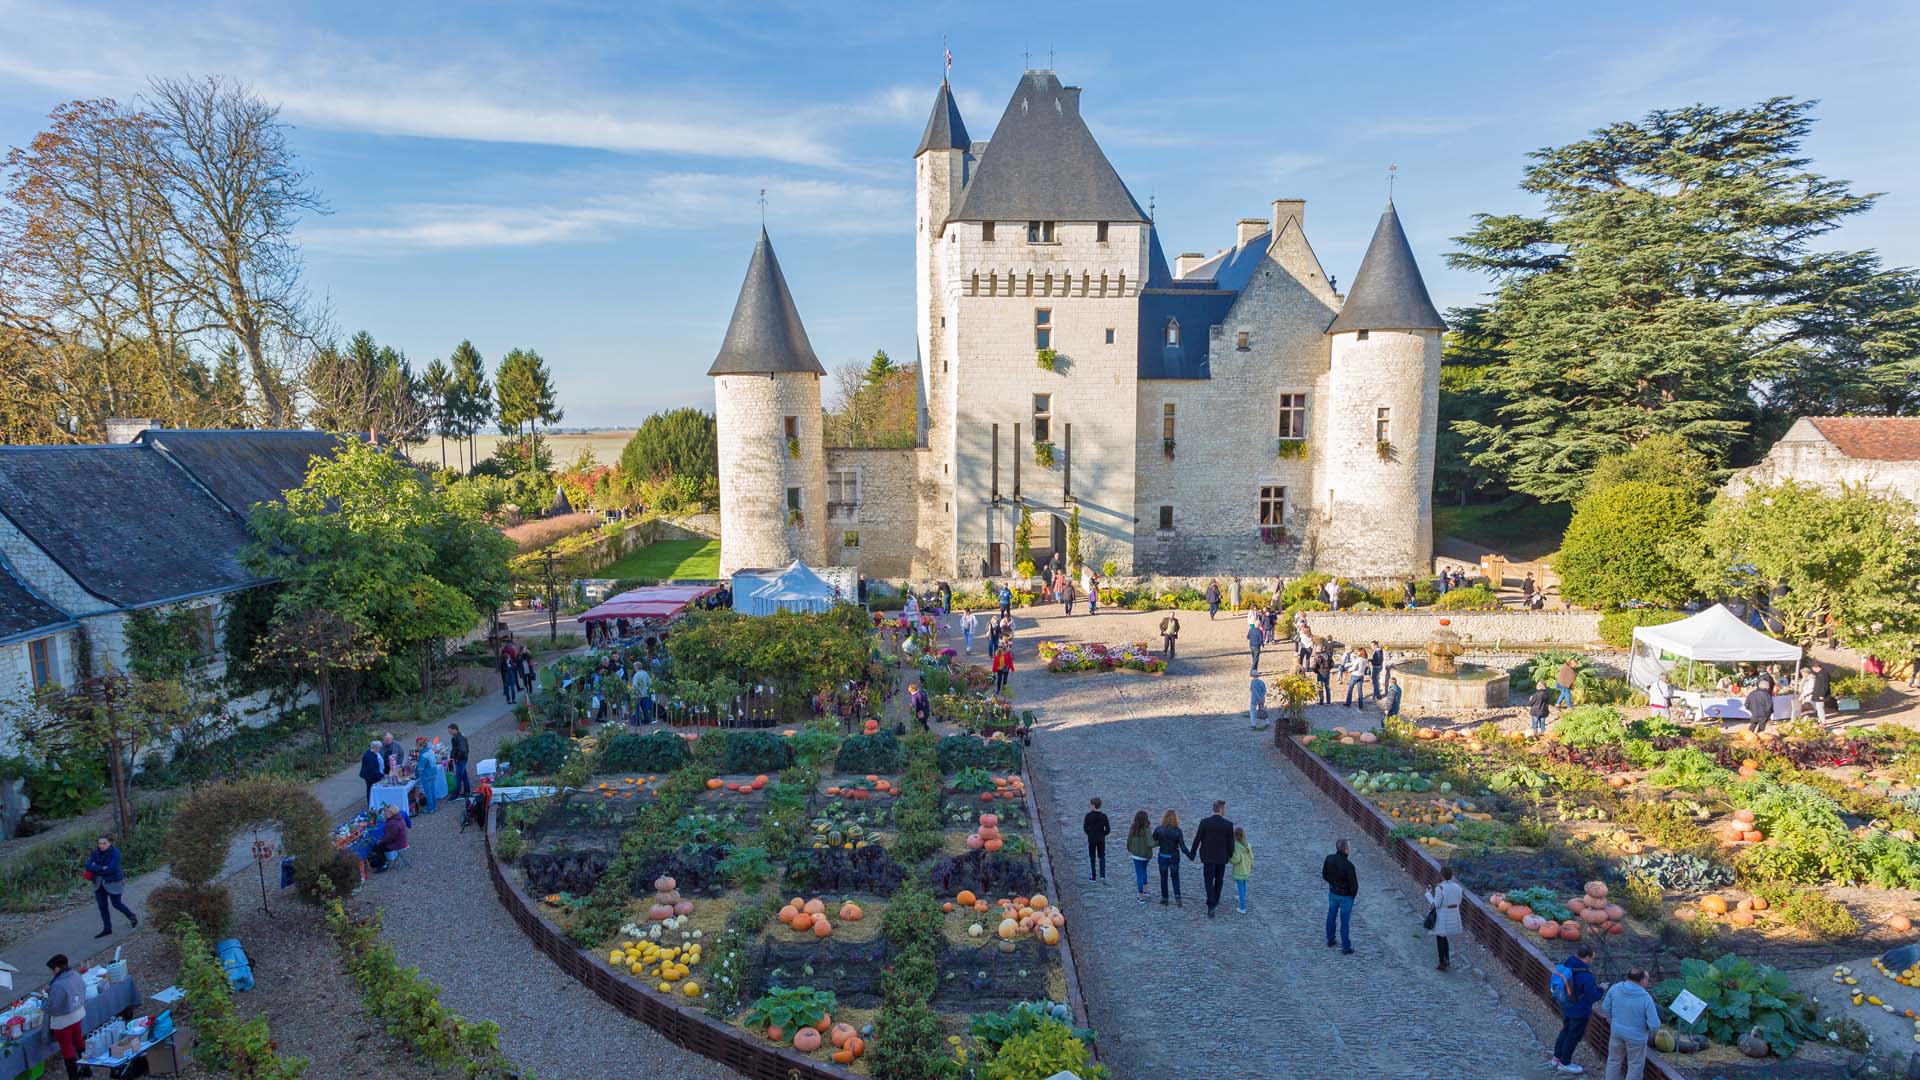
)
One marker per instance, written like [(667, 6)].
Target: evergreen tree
[(437, 383), (1669, 286), (472, 405), (678, 442)]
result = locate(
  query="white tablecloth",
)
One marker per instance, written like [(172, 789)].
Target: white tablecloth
[(394, 795)]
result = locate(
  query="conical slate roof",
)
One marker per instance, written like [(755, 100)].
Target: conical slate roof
[(765, 335), (1044, 165), (561, 504), (1388, 293), (945, 131)]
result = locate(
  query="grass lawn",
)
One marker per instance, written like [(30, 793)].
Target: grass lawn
[(668, 559), (1516, 525)]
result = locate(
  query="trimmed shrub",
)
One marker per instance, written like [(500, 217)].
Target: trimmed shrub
[(957, 752), (880, 753), (1616, 627), (539, 754), (1471, 598), (757, 752), (1615, 547), (203, 830), (655, 752)]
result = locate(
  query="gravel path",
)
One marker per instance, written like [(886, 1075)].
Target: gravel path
[(1173, 993), (442, 916)]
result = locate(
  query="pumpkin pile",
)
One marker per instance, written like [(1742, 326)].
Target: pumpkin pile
[(1005, 787), (670, 964), (1742, 829), (667, 901), (1020, 916), (987, 836), (611, 791), (1592, 914), (742, 787), (862, 790), (810, 916), (1363, 737), (1739, 913), (847, 1044)]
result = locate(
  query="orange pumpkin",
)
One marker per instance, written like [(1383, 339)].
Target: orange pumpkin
[(947, 907), (843, 1057), (986, 796), (1741, 918), (833, 791), (1900, 923), (858, 1045), (801, 921), (1550, 930), (850, 911), (994, 844), (824, 1024), (715, 784), (821, 927), (1616, 928), (806, 1040), (787, 913), (989, 820), (965, 898), (775, 1034), (841, 1033), (1714, 905), (815, 906), (1516, 912), (1038, 900), (1569, 931), (1759, 903)]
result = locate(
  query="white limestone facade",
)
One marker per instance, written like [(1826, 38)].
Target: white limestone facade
[(773, 500)]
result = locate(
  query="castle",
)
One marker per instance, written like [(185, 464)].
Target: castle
[(1232, 414)]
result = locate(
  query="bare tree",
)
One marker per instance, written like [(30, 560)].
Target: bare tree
[(232, 192)]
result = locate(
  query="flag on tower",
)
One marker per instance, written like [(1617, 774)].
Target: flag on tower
[(949, 59)]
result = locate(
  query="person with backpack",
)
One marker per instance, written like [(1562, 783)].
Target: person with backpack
[(1140, 848), (1445, 899), (1576, 991), (1242, 865), (1096, 827), (1537, 708), (1323, 671)]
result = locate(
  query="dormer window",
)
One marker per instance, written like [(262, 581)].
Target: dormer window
[(1039, 232), (1173, 333)]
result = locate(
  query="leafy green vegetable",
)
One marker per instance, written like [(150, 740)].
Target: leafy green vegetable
[(1544, 902), (1740, 995)]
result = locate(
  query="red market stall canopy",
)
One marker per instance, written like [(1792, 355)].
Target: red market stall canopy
[(658, 602)]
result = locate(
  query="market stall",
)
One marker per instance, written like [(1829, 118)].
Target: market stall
[(648, 607), (1714, 636), (794, 589), (25, 1041)]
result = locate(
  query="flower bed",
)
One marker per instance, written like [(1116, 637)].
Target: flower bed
[(1063, 656)]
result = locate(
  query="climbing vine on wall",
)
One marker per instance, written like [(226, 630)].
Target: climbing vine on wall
[(167, 645)]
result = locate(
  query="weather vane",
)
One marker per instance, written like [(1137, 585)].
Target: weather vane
[(1392, 173), (763, 208)]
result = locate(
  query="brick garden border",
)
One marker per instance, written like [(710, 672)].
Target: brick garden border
[(1527, 963), (691, 1028)]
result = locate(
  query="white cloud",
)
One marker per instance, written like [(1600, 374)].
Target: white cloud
[(1287, 164)]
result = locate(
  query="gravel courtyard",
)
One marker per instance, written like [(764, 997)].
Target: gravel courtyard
[(1258, 995)]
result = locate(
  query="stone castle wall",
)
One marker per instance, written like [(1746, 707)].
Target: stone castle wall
[(758, 470), (1380, 513), (1483, 630), (883, 524), (1818, 462)]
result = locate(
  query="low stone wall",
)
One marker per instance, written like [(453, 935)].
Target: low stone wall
[(1483, 630)]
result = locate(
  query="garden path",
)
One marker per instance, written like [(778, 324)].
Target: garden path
[(1173, 993)]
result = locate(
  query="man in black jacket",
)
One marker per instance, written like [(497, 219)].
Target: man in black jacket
[(463, 784), (372, 767), (1096, 828), (1213, 844), (1759, 705), (1343, 884)]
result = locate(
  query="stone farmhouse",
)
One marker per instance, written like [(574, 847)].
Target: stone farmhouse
[(1879, 453), (89, 535), (1232, 413)]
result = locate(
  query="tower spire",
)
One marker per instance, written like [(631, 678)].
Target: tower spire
[(1388, 292)]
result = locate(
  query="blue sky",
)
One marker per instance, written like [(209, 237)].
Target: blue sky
[(581, 178)]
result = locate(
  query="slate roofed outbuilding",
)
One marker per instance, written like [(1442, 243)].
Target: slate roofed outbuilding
[(945, 129), (1197, 310), (242, 468), (25, 614), (1388, 292), (127, 524), (1042, 163), (765, 336)]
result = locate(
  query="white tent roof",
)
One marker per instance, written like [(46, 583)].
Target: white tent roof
[(795, 589), (1715, 634)]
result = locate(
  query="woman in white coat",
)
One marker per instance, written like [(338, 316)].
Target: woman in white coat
[(1446, 897)]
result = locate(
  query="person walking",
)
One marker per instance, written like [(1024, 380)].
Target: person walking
[(1213, 600), (1171, 844), (1323, 671), (1302, 643), (968, 624), (1242, 866), (1006, 600), (1170, 633), (1343, 884), (1445, 899), (922, 707), (509, 672), (1393, 698), (1096, 827), (1822, 685), (1759, 706), (1332, 592), (524, 658), (1564, 680), (457, 746), (109, 881), (1066, 593), (1576, 992), (1526, 591), (1213, 846), (66, 1012), (1254, 640), (1257, 704), (1002, 667), (1355, 669), (372, 767), (1093, 594), (1410, 596), (1634, 1017), (1537, 708), (1377, 664), (1140, 849)]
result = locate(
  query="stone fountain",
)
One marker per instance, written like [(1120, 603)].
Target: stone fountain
[(1441, 681)]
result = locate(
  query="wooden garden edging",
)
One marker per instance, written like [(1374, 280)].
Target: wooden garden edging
[(1493, 930), (688, 1027)]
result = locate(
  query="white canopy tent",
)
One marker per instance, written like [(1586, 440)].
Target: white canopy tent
[(1713, 636), (794, 589)]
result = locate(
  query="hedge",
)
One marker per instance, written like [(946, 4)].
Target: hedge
[(1616, 627)]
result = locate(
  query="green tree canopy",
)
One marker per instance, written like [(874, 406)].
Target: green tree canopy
[(1661, 459), (471, 396), (1614, 549), (1669, 285), (678, 442), (1840, 565)]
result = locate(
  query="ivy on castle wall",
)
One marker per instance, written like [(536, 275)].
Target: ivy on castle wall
[(167, 645)]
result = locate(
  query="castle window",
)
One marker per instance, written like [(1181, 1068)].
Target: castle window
[(793, 498), (1166, 519), (1173, 333), (986, 232), (1383, 424), (1166, 422), (1039, 232), (40, 660), (843, 495), (1293, 416), (1273, 506), (1042, 418), (1043, 328), (791, 427), (1109, 335), (1100, 232), (1241, 341), (1361, 336)]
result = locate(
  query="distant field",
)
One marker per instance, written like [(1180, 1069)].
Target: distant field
[(698, 559), (606, 445)]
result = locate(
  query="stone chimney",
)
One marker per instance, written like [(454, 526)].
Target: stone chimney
[(120, 431), (1289, 208), (1251, 228), (1186, 261)]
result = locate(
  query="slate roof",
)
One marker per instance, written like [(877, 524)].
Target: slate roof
[(561, 504), (242, 468), (766, 335), (1872, 438), (123, 521), (1388, 293), (945, 131), (24, 614), (1233, 268), (1198, 309), (1042, 163)]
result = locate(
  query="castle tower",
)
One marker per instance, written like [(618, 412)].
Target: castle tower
[(773, 479), (1384, 404), (942, 164)]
